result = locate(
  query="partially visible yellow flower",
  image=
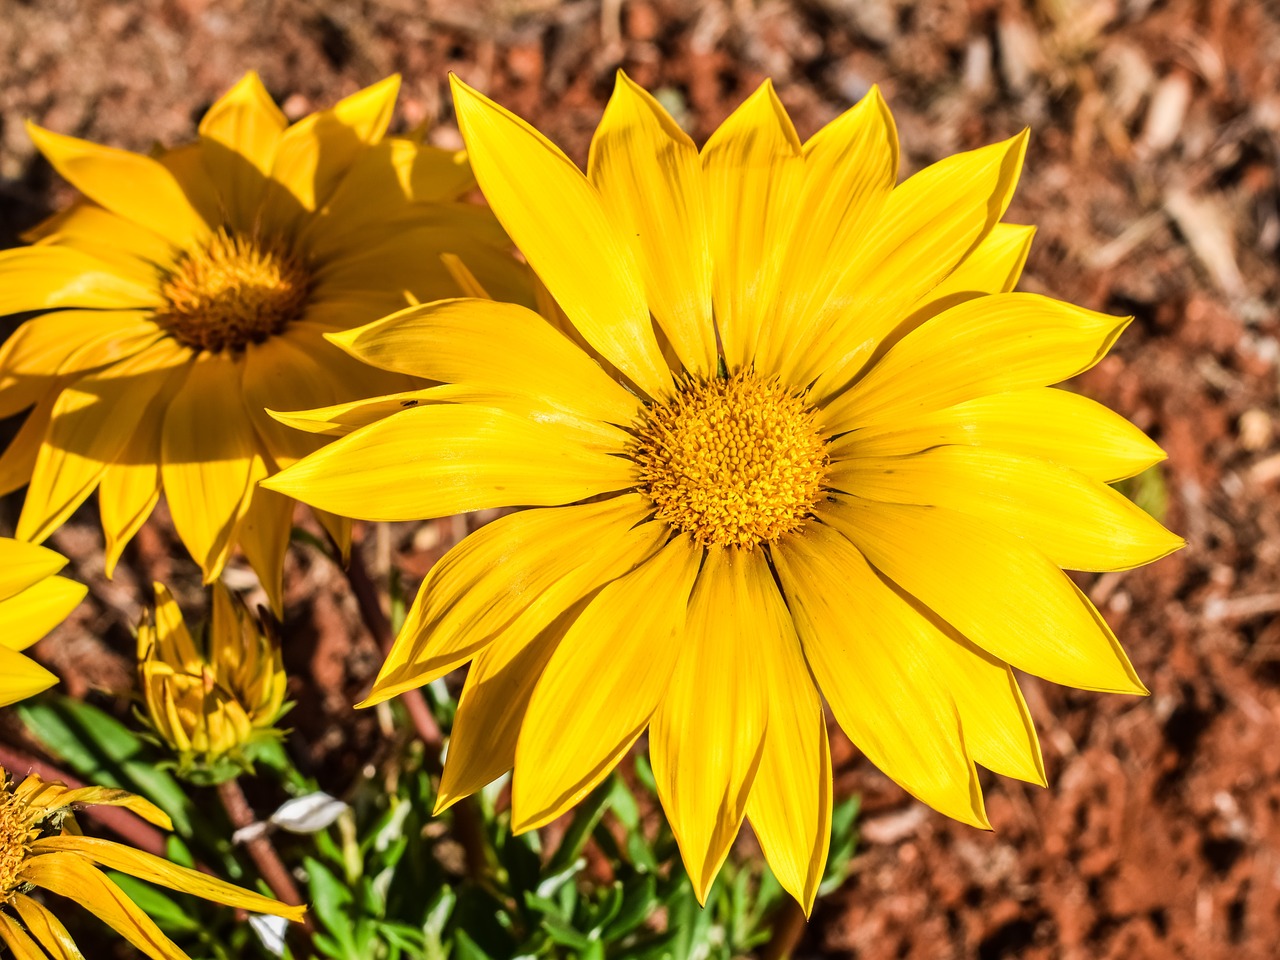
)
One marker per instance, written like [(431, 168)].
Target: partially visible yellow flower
[(32, 602), (212, 703), (799, 444), (41, 847), (189, 291)]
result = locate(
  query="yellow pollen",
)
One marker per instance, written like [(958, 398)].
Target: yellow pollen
[(233, 292), (16, 835), (733, 462)]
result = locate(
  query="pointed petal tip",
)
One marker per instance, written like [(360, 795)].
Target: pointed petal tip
[(341, 338), (443, 802), (374, 698)]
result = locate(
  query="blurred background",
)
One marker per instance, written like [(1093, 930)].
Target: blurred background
[(1152, 176)]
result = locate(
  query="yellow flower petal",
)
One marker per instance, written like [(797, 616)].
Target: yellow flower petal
[(1043, 422), (997, 726), (379, 187), (994, 266), (432, 461), (753, 168), (876, 670), (650, 181), (500, 682), (707, 734), (47, 929), (130, 487), (24, 564), (1077, 523), (484, 583), (315, 153), (136, 187), (851, 166), (240, 134), (557, 219), (131, 250), (993, 587), (70, 875), (601, 685), (339, 530), (502, 678), (153, 869), (19, 457), (499, 346), (45, 277), (19, 943), (21, 677), (186, 165), (263, 535), (280, 372), (208, 455), (434, 175), (66, 343), (87, 433), (790, 802), (29, 615), (929, 223), (51, 796), (340, 419), (408, 261), (1010, 341)]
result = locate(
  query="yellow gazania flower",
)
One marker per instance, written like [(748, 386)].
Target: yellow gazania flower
[(805, 448), (32, 602), (211, 706), (41, 847), (191, 290)]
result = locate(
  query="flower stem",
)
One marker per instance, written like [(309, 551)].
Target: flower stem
[(375, 620), (259, 845)]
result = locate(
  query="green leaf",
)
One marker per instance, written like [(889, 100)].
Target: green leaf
[(329, 900), (1148, 491), (468, 949), (564, 933), (100, 749), (585, 818), (637, 906), (623, 804)]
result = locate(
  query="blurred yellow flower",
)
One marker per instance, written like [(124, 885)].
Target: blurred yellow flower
[(32, 602), (41, 847), (193, 289), (800, 444), (211, 703)]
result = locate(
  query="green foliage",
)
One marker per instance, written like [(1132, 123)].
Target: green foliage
[(387, 881), (1148, 490)]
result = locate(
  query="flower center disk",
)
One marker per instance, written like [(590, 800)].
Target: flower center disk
[(735, 461), (235, 291), (15, 834)]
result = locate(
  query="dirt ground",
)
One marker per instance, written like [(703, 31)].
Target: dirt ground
[(1152, 176)]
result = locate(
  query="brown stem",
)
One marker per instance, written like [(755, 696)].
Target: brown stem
[(259, 845), (466, 814), (375, 620), (122, 823)]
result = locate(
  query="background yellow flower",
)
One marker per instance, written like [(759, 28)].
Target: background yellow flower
[(32, 602), (808, 450), (191, 290), (42, 848), (214, 701)]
